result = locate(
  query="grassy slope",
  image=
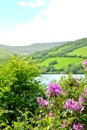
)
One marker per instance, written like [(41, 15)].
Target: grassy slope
[(59, 50), (62, 61), (79, 52), (65, 55), (4, 53)]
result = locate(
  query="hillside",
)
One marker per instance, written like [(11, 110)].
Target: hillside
[(4, 54), (59, 57), (63, 59), (30, 49)]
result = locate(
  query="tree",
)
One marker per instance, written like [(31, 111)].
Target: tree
[(18, 89)]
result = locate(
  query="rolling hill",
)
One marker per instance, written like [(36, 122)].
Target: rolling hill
[(64, 58), (57, 57), (30, 49)]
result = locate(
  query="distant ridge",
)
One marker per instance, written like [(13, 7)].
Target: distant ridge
[(30, 49)]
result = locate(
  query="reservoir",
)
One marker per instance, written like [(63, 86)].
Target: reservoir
[(47, 78)]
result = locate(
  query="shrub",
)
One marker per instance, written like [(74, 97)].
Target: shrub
[(18, 89), (53, 62), (65, 105)]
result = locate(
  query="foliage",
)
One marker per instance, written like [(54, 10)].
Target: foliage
[(18, 89), (65, 105), (68, 64), (53, 62), (65, 53), (79, 52)]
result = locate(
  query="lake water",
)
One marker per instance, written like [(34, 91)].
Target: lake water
[(47, 78)]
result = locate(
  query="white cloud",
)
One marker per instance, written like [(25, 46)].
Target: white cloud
[(31, 4), (66, 20), (21, 3)]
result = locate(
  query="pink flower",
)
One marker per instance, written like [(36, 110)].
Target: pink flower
[(42, 102), (63, 124), (73, 105), (84, 63), (78, 126), (51, 114), (53, 90), (81, 99)]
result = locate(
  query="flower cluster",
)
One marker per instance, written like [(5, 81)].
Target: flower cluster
[(42, 102), (85, 64), (78, 126), (64, 106), (74, 105), (53, 90)]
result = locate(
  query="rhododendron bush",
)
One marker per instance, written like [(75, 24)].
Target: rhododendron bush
[(64, 106)]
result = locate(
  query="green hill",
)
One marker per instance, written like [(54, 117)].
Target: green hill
[(4, 54), (64, 58), (6, 51), (30, 49), (57, 57)]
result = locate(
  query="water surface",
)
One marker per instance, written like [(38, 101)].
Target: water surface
[(47, 78)]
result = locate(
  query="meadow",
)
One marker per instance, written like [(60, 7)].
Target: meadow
[(61, 62), (79, 52)]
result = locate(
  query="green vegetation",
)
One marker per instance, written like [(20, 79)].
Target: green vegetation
[(4, 53), (64, 107), (63, 65), (59, 50), (79, 52), (62, 61), (18, 90), (30, 49), (67, 55), (24, 105), (68, 58)]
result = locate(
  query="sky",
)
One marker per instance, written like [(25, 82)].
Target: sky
[(24, 22)]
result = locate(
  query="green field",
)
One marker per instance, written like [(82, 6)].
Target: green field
[(79, 52), (62, 62)]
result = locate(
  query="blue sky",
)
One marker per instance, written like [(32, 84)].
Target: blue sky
[(23, 22), (13, 14)]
